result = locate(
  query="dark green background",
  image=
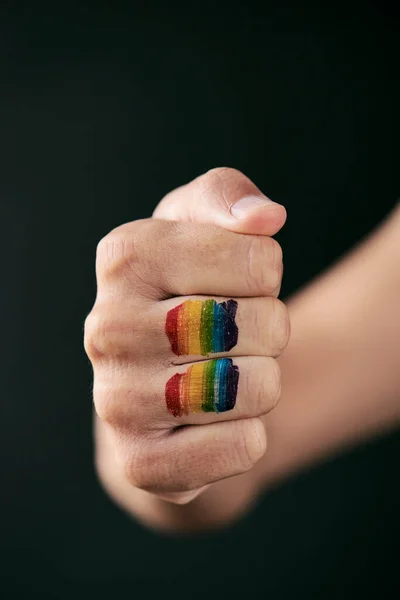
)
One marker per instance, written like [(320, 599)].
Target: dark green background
[(102, 111)]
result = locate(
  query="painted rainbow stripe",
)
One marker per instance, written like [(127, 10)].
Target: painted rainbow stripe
[(202, 327), (209, 386)]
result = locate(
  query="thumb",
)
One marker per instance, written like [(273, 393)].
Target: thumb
[(223, 197)]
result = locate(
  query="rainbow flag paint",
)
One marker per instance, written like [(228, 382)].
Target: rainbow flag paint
[(208, 386), (202, 327)]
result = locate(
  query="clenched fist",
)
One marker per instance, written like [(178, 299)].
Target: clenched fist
[(184, 334)]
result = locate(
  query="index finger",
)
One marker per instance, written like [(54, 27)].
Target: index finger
[(159, 259)]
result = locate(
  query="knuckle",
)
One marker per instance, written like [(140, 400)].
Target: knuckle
[(266, 385), (254, 269), (119, 402), (129, 250), (107, 404), (249, 442), (276, 262), (280, 330), (104, 403), (225, 173), (225, 184), (139, 468), (89, 339), (114, 251), (217, 178), (102, 336), (264, 265), (274, 383)]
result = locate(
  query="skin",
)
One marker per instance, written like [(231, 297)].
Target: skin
[(338, 380)]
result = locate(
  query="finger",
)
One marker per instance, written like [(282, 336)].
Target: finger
[(182, 330), (204, 392), (217, 327), (189, 458), (185, 259), (227, 198), (223, 389)]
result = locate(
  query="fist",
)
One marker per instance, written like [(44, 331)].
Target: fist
[(184, 334)]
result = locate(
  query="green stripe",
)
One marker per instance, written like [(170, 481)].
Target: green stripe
[(208, 386), (206, 327)]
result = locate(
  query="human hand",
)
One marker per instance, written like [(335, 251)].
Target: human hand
[(184, 334)]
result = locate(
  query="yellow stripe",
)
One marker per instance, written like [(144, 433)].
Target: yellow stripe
[(196, 387)]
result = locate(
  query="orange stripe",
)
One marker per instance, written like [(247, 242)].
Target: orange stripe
[(182, 330), (186, 392)]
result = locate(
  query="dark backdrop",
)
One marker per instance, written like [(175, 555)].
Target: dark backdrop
[(102, 111)]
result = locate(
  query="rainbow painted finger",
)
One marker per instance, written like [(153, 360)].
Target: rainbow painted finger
[(201, 327), (209, 386)]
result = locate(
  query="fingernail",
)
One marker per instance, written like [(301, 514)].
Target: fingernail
[(242, 207)]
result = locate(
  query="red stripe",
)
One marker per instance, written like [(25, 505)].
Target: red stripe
[(171, 327), (172, 394)]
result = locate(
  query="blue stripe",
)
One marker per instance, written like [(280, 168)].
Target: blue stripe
[(218, 341), (220, 384)]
